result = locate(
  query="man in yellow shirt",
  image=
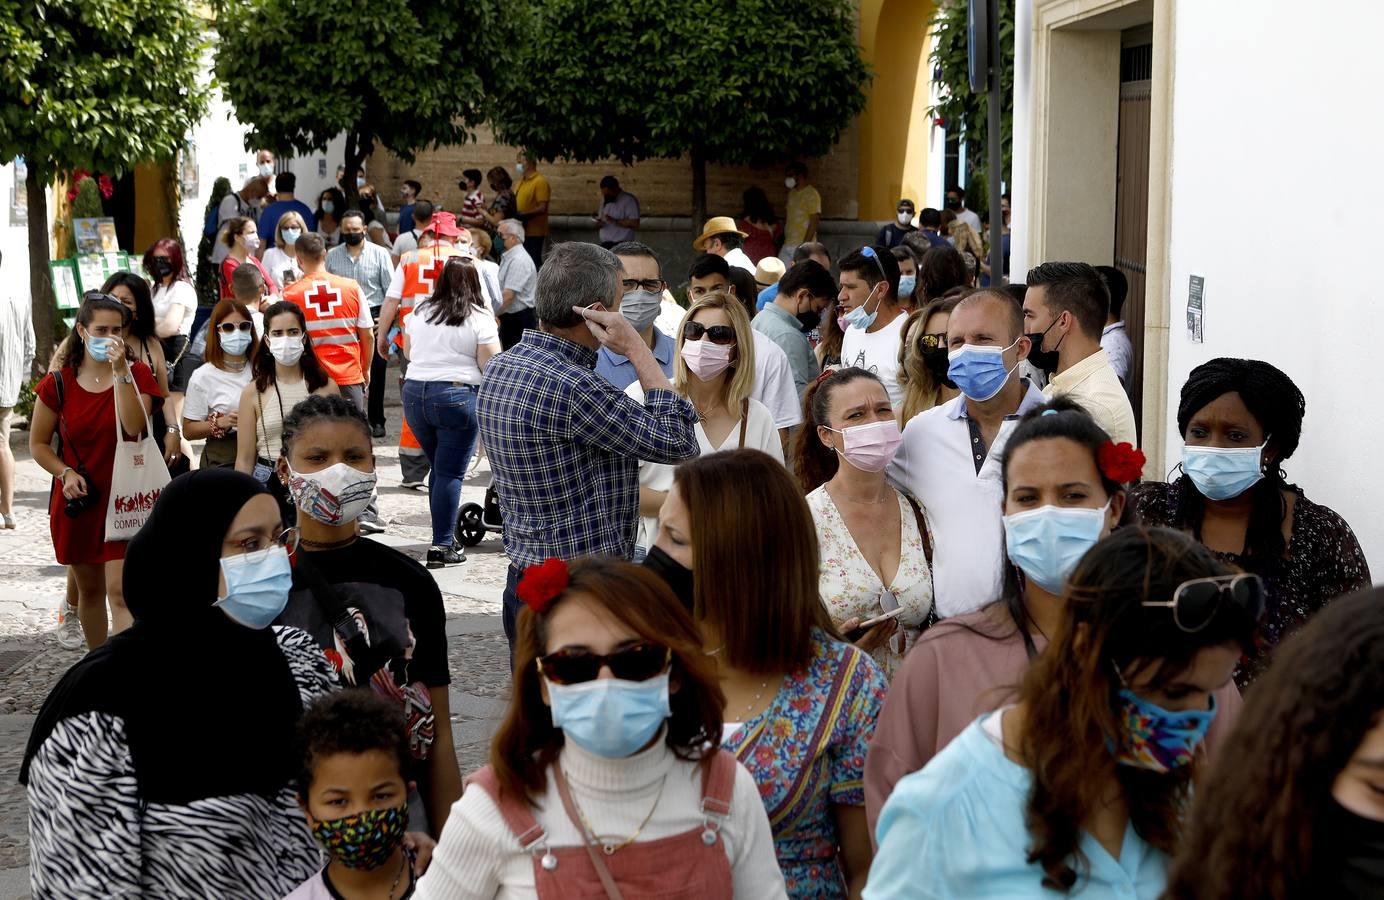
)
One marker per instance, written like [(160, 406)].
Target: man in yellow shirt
[(531, 196), (804, 211)]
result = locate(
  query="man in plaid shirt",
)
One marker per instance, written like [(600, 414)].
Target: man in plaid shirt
[(564, 444)]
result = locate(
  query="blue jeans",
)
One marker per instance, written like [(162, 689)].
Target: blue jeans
[(443, 418)]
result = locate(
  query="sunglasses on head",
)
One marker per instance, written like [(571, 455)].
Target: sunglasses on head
[(1196, 602), (718, 334), (233, 327), (99, 295), (870, 252), (638, 662)]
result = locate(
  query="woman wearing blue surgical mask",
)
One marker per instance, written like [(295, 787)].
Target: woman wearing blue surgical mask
[(607, 763), (211, 408), (376, 613), (909, 296), (1063, 484), (183, 723), (282, 259), (875, 550), (1240, 419), (1081, 787)]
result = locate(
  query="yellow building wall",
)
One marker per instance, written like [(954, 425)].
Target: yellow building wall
[(894, 127), (156, 204)]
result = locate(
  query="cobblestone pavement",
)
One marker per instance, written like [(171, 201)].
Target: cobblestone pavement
[(32, 584)]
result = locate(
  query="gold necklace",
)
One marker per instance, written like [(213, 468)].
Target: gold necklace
[(884, 499), (606, 846)]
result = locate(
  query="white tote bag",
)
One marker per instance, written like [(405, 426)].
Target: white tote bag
[(137, 479)]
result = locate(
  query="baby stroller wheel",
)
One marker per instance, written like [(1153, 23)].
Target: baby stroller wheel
[(470, 530)]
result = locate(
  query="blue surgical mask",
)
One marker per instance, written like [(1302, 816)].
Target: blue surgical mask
[(610, 717), (1221, 473), (906, 285), (360, 181), (237, 343), (256, 586), (291, 235), (979, 372), (99, 347), (859, 318), (328, 207), (1047, 543)]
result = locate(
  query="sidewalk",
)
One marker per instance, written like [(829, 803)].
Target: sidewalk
[(31, 661)]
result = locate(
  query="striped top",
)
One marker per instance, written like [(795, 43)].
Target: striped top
[(16, 346), (274, 404)]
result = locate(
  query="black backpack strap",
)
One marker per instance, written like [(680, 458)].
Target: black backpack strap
[(366, 659)]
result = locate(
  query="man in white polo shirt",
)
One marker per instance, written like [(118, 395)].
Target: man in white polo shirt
[(951, 454)]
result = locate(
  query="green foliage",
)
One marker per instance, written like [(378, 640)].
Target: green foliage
[(208, 287), (966, 114), (97, 84), (639, 79), (24, 407), (86, 205), (400, 74)]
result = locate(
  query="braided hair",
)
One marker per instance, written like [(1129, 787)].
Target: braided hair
[(1278, 406)]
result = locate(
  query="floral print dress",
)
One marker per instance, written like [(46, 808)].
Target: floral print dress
[(850, 588), (806, 751)]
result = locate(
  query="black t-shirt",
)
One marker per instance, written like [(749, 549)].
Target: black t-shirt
[(395, 596)]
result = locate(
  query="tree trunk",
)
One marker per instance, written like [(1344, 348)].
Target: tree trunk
[(698, 189), (45, 310), (354, 156)]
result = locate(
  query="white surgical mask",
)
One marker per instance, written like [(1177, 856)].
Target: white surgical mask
[(251, 241), (266, 169), (287, 350), (334, 496), (790, 182), (291, 235), (905, 218)]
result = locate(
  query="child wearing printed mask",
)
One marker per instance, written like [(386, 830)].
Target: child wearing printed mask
[(354, 793), (376, 613)]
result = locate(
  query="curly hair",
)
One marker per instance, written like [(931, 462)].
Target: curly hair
[(350, 721), (1279, 407), (1070, 693), (1251, 831)]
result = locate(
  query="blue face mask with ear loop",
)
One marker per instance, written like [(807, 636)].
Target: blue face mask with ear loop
[(858, 317), (907, 284), (257, 586), (1220, 473), (979, 372), (610, 717)]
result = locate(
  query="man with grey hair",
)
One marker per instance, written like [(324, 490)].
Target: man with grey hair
[(564, 443), (518, 281)]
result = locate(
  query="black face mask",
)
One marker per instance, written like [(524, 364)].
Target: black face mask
[(353, 238), (161, 267), (1351, 859), (809, 319), (939, 365), (953, 203), (674, 574), (1045, 360)]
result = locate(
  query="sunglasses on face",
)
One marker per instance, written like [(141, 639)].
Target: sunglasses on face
[(1196, 602), (233, 327), (638, 662), (718, 334)]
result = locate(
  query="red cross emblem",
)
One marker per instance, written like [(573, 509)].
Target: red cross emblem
[(427, 274), (323, 298)]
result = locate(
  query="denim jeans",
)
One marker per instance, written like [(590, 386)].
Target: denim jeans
[(509, 609), (443, 418)]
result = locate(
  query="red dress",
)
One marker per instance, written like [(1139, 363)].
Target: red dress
[(88, 431), (760, 243), (230, 264)]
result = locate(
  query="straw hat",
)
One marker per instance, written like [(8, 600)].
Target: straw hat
[(769, 271), (714, 226)]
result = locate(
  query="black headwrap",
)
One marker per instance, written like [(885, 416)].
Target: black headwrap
[(209, 706)]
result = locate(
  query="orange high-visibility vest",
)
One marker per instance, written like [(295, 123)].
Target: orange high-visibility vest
[(422, 269), (331, 305)]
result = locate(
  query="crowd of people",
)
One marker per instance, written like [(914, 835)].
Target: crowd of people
[(842, 578)]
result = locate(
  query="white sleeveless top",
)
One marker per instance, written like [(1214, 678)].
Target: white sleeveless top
[(274, 404)]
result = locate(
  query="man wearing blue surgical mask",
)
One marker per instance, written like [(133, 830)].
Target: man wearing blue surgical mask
[(950, 460), (869, 302), (640, 301)]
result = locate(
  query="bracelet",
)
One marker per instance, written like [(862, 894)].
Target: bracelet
[(64, 472)]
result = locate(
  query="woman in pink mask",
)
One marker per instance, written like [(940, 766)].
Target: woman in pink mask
[(713, 368), (876, 580)]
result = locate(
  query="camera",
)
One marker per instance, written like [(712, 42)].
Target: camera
[(75, 506)]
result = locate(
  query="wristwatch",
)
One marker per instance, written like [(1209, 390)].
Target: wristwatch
[(125, 379), (174, 429)]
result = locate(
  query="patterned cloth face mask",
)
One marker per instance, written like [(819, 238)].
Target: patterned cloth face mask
[(364, 840), (1156, 738)]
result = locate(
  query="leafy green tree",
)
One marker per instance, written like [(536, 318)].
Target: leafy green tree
[(97, 85), (965, 113), (757, 82), (207, 280), (393, 73)]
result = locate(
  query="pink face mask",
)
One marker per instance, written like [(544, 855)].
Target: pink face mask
[(870, 447), (705, 359)]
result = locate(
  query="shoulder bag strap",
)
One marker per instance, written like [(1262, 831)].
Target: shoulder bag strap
[(607, 881), (366, 658), (259, 426), (744, 419), (119, 426), (64, 439), (932, 616)]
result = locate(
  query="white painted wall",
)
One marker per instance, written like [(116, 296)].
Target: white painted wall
[(1276, 201), (1018, 191), (14, 239)]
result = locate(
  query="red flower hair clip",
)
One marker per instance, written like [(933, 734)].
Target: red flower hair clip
[(1121, 462), (542, 584)]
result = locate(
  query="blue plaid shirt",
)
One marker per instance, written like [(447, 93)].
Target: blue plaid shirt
[(565, 445)]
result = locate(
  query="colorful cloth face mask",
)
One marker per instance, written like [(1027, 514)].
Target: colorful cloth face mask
[(364, 840), (1156, 738), (333, 496)]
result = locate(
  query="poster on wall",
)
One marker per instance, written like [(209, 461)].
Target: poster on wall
[(19, 197), (95, 236), (188, 173), (94, 269), (1196, 309), (65, 289)]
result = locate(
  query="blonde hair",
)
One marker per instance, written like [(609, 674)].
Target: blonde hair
[(283, 220), (921, 392), (739, 385)]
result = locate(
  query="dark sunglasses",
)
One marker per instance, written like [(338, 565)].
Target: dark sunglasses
[(930, 342), (233, 327), (639, 662), (719, 334), (1196, 602)]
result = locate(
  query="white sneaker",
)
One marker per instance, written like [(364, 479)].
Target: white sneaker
[(70, 635)]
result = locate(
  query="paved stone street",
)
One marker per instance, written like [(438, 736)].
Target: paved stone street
[(31, 662)]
